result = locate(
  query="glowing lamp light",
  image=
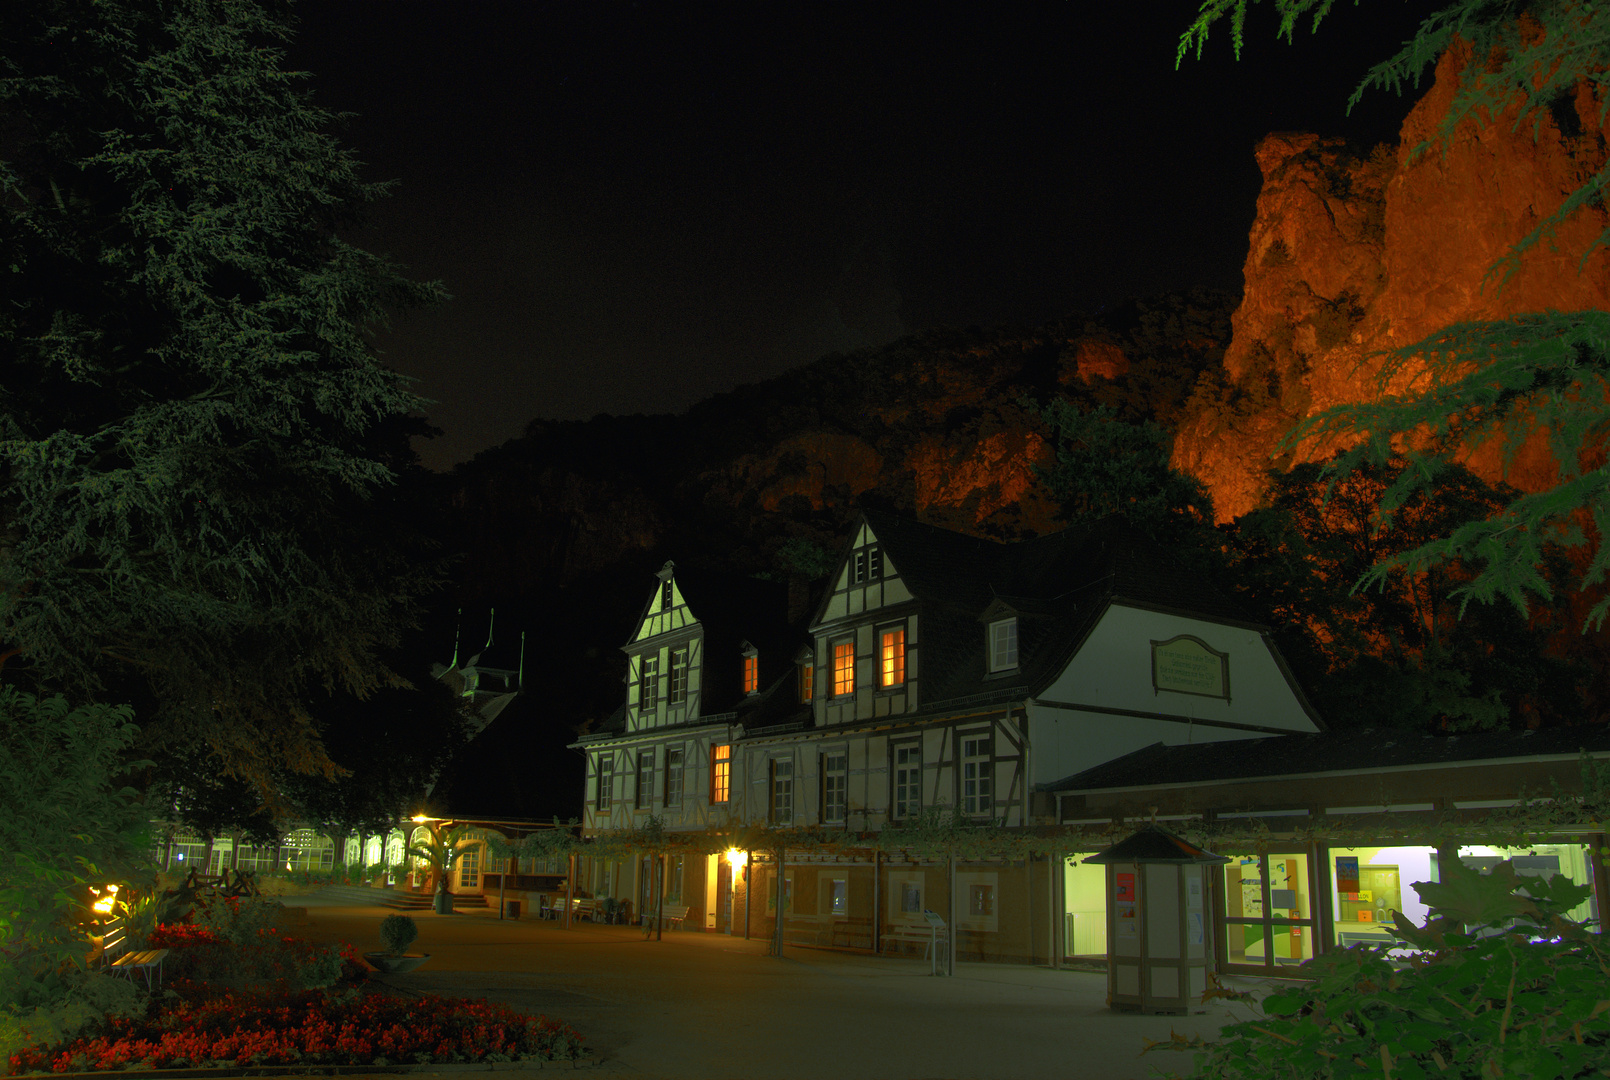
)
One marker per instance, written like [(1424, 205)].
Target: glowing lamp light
[(104, 904), (737, 859)]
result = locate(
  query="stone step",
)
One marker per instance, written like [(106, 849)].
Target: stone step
[(355, 894)]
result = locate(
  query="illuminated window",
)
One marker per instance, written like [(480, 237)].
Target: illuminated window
[(907, 780), (1003, 645), (650, 692), (665, 596), (469, 868), (645, 780), (782, 791), (977, 781), (673, 777), (606, 781), (892, 657), (679, 676), (844, 668), (807, 677), (720, 773), (751, 674), (835, 788)]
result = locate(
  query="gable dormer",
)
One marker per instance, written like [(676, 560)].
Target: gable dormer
[(1001, 625), (750, 667), (867, 580), (805, 668), (664, 658)]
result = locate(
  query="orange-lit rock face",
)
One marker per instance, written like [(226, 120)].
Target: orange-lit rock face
[(1099, 359), (1354, 254), (809, 465), (966, 484)]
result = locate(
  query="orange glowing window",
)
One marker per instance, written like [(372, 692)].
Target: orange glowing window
[(892, 657), (721, 773), (807, 677), (844, 668), (751, 674)]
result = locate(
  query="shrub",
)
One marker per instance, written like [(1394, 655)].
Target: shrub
[(1520, 995), (397, 932)]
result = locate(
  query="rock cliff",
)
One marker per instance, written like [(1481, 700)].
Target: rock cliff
[(1353, 253)]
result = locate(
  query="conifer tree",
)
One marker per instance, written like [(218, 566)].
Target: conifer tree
[(1489, 380), (198, 441)]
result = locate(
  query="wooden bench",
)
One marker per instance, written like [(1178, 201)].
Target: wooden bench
[(807, 929), (584, 907), (914, 935), (112, 955), (669, 913)]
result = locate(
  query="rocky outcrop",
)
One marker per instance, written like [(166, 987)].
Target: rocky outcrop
[(1355, 253), (942, 426)]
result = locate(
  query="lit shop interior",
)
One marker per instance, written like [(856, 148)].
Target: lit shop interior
[(1269, 914)]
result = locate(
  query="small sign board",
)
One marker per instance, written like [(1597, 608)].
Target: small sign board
[(1186, 664), (1347, 873), (933, 919)]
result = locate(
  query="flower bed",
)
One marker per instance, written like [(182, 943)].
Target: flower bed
[(238, 992), (310, 1028), (200, 957)]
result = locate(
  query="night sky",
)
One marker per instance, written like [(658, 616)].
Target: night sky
[(637, 206)]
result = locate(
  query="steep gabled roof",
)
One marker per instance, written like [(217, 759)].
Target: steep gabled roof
[(1058, 585), (732, 610), (1365, 750)]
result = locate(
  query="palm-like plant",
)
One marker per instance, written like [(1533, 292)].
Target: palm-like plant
[(442, 852)]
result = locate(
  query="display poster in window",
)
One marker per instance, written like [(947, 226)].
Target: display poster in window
[(1123, 896), (1188, 665), (1347, 873), (1193, 894), (1193, 928)]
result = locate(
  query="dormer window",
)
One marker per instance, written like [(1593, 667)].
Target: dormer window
[(1003, 644), (868, 564), (751, 671)]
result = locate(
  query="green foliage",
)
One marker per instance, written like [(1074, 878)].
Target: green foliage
[(83, 1000), (1504, 379), (803, 556), (69, 826), (443, 851), (397, 932), (1395, 654), (199, 444), (240, 922), (392, 745), (1478, 382), (1106, 467), (1489, 1001)]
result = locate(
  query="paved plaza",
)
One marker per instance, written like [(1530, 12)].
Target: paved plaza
[(697, 1006)]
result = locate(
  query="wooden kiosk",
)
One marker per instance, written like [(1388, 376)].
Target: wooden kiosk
[(1159, 932)]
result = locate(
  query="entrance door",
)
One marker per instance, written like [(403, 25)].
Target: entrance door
[(1268, 912)]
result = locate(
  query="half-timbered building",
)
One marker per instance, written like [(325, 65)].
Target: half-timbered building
[(937, 670)]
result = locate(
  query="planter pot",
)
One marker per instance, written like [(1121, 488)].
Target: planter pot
[(387, 964), (444, 903)]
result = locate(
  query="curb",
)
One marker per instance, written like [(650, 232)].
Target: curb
[(524, 1065)]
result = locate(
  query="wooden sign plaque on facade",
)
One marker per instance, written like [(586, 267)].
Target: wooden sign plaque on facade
[(1186, 664)]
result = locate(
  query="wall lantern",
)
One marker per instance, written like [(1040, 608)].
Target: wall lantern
[(737, 859)]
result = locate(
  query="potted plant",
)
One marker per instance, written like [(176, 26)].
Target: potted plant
[(397, 932)]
